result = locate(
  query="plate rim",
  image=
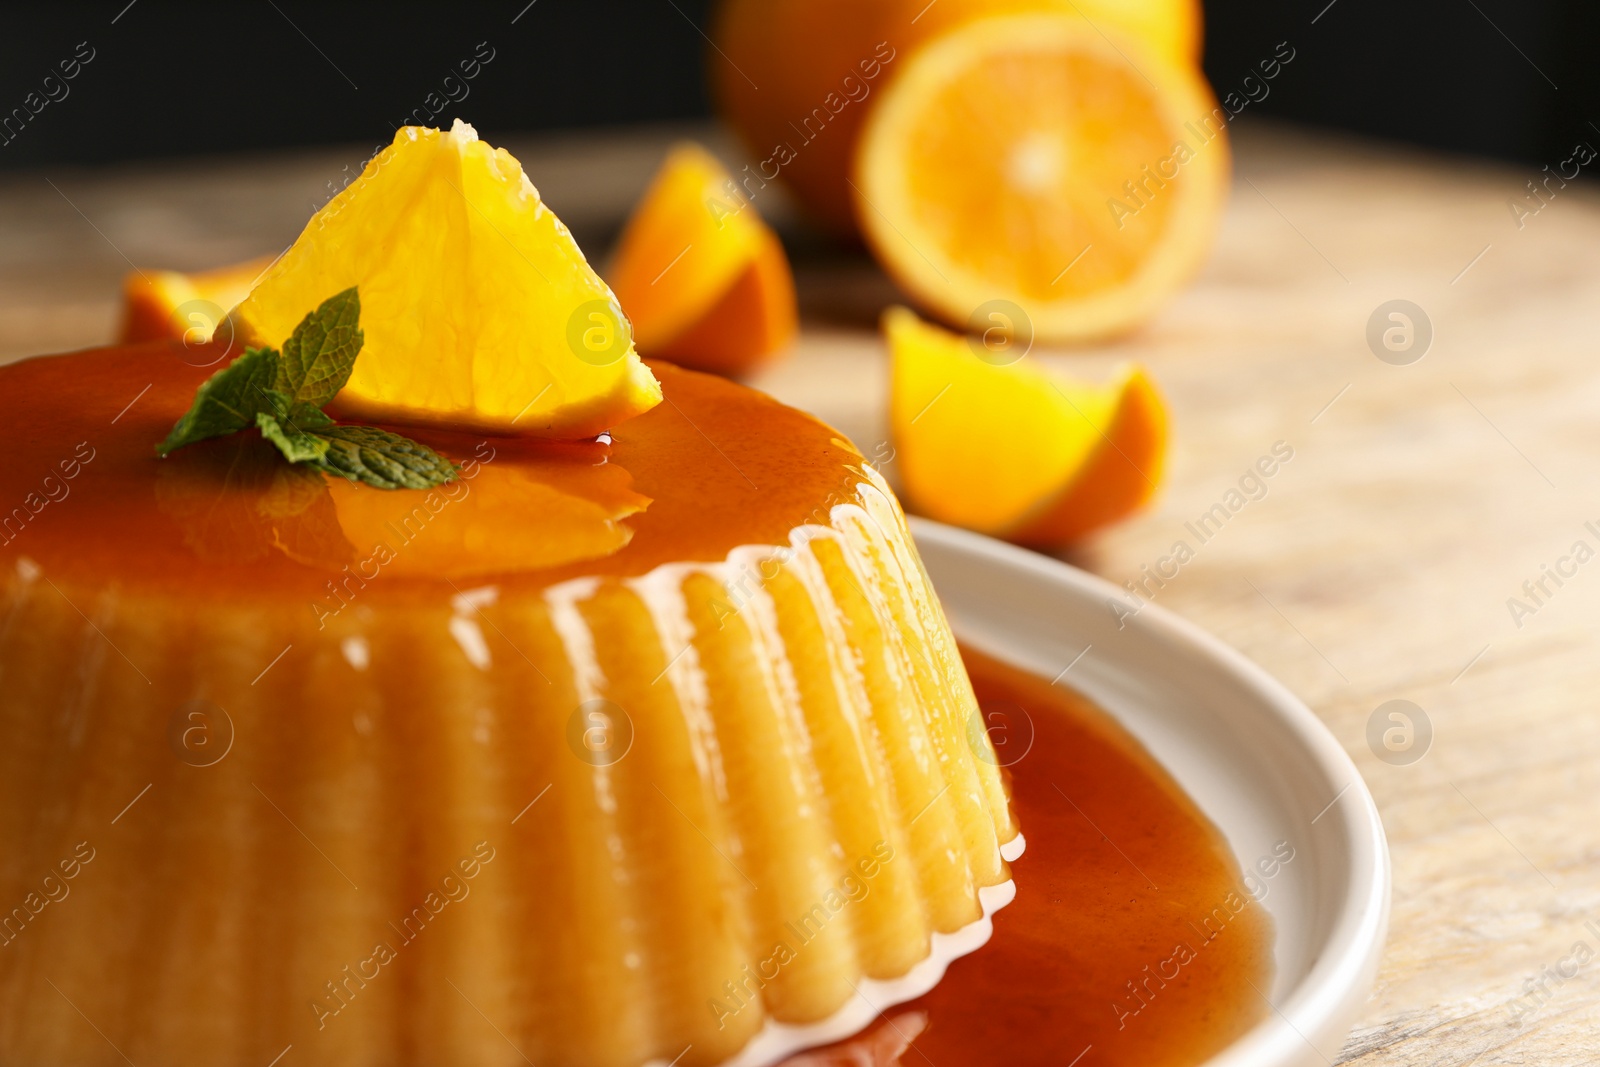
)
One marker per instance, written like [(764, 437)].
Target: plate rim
[(1321, 1007)]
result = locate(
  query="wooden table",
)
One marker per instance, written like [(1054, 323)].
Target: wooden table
[(1377, 566)]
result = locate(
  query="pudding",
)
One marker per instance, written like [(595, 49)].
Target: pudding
[(653, 749)]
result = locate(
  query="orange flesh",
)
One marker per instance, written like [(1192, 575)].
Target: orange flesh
[(1061, 136), (477, 307), (796, 52), (1013, 450), (702, 279), (687, 241), (716, 467)]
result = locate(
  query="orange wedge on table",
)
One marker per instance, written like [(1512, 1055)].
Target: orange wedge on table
[(704, 281), (1010, 450), (168, 305), (1039, 161), (796, 78), (479, 310)]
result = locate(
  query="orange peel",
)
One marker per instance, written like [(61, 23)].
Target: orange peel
[(1011, 450), (167, 305)]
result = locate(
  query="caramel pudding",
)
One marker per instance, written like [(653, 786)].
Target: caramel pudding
[(654, 749)]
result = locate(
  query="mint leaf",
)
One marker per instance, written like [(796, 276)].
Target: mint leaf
[(228, 401), (282, 396), (296, 444), (360, 453), (318, 357), (382, 459), (294, 415)]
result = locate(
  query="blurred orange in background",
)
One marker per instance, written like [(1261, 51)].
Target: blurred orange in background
[(704, 281), (1067, 158), (1000, 446), (165, 304), (798, 72), (1035, 161)]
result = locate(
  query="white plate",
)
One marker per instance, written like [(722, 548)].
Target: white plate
[(1252, 756)]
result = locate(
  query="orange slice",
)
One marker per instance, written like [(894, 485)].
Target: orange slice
[(704, 281), (167, 305), (796, 78), (1035, 160), (479, 310), (1007, 449)]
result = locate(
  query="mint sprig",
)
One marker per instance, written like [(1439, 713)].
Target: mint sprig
[(282, 394), (378, 457), (228, 401)]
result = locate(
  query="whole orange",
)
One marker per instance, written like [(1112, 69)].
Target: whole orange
[(795, 77)]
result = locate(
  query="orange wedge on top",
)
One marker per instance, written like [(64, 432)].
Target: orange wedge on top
[(796, 78), (478, 308), (1010, 450), (704, 281), (1038, 160), (168, 305)]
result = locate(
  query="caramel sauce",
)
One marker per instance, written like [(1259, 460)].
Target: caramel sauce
[(1132, 939), (83, 494)]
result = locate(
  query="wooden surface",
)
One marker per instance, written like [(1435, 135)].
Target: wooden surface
[(1377, 566)]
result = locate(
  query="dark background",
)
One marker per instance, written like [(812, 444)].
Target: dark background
[(1513, 79)]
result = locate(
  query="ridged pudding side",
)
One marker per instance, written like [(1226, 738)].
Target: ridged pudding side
[(623, 820)]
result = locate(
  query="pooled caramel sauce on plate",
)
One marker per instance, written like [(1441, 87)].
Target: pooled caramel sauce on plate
[(1133, 939)]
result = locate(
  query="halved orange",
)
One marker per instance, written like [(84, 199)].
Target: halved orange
[(169, 305), (703, 279), (796, 78), (1036, 160), (479, 310), (1011, 450)]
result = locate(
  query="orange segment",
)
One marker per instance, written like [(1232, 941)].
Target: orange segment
[(1119, 479), (756, 319), (478, 308), (702, 278), (160, 305), (1034, 160), (1009, 450), (796, 78)]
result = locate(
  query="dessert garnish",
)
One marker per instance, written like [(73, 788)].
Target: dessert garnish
[(282, 395), (481, 313), (989, 440)]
